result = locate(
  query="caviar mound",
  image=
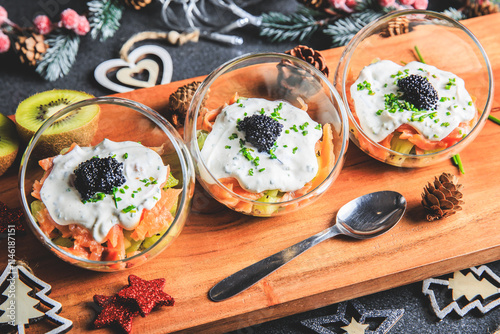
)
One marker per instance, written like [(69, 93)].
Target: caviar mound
[(261, 131), (418, 91), (98, 175)]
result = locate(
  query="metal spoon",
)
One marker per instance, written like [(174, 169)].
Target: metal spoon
[(365, 217)]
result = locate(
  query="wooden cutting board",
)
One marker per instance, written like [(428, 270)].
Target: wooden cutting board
[(217, 242)]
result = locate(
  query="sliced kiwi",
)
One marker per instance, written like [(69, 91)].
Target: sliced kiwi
[(9, 143), (78, 126)]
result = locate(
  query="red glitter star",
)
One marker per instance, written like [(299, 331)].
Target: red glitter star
[(147, 294), (10, 217), (115, 311)]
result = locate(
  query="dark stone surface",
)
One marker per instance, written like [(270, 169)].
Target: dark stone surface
[(194, 59)]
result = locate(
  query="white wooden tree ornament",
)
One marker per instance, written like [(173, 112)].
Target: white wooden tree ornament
[(20, 309), (481, 293)]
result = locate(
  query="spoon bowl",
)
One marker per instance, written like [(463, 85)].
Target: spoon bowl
[(371, 215), (365, 217)]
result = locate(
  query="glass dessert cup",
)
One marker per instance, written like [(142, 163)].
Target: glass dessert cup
[(137, 123), (442, 42), (274, 77)]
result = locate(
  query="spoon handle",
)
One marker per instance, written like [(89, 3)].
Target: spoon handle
[(250, 275)]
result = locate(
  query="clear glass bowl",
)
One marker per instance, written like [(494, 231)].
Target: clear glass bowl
[(137, 123), (270, 76), (443, 43)]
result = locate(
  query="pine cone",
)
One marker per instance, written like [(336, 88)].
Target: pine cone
[(30, 47), (178, 103), (476, 9), (137, 4), (311, 56), (398, 26), (315, 4), (442, 198)]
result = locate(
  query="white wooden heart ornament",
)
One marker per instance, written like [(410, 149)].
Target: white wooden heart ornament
[(125, 70)]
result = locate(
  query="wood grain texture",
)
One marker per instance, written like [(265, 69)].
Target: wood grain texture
[(216, 242)]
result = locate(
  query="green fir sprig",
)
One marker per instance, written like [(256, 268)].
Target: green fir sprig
[(344, 29), (302, 25), (60, 56), (278, 27), (104, 18)]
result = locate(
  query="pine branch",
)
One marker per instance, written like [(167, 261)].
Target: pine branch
[(279, 27), (343, 30), (60, 56), (104, 18)]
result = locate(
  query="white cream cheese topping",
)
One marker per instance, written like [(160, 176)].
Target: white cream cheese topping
[(144, 172), (379, 79), (295, 161)]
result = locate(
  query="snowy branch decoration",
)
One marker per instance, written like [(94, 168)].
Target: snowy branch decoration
[(60, 56), (104, 17), (19, 308)]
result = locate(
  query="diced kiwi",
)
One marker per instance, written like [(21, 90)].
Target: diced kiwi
[(79, 126), (201, 137), (150, 241), (401, 145), (270, 196), (173, 210), (171, 181), (36, 206), (9, 143), (131, 245), (64, 242), (134, 246)]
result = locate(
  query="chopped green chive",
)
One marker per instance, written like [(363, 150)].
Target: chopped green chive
[(451, 82), (420, 58), (128, 208), (494, 119)]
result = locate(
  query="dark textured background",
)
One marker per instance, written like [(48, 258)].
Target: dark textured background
[(194, 59)]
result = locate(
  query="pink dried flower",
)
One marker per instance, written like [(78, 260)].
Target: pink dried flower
[(407, 2), (421, 4), (83, 26), (43, 24), (4, 42), (387, 3), (3, 16), (69, 19), (340, 4)]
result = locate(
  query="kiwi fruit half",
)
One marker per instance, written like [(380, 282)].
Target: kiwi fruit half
[(9, 143), (79, 126)]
